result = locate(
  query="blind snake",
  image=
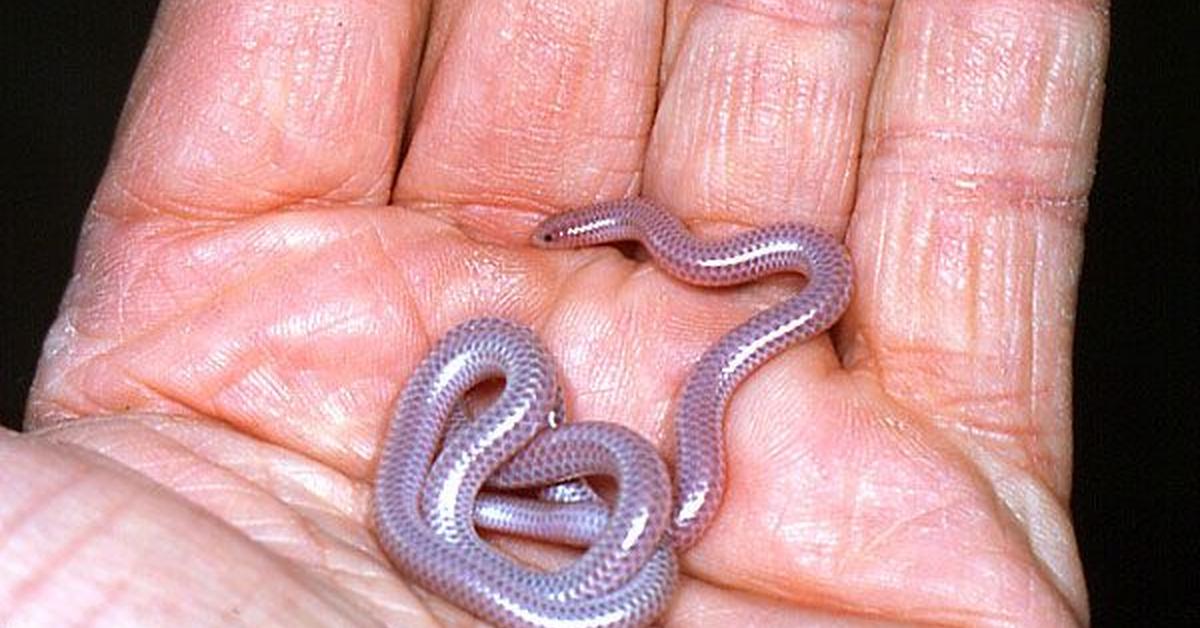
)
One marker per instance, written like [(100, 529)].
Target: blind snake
[(443, 472)]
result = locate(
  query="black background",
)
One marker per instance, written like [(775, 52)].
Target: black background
[(68, 65)]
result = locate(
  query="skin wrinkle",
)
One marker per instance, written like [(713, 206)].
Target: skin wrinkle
[(625, 380), (174, 401), (163, 240), (1069, 208), (727, 193), (294, 523), (685, 612), (121, 196), (836, 595), (96, 613), (976, 420), (209, 451), (863, 549), (69, 547), (14, 520), (918, 365), (1034, 450), (1006, 507), (1027, 507), (1011, 510), (813, 14), (311, 42), (1032, 184), (406, 292), (475, 216), (1015, 396), (547, 55), (246, 282), (1016, 190)]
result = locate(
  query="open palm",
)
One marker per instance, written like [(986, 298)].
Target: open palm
[(304, 195)]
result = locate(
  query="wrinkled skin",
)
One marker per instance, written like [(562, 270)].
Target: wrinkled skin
[(299, 201)]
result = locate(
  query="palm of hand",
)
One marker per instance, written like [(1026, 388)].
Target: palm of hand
[(246, 345)]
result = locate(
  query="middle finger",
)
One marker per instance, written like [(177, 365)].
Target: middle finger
[(762, 109), (531, 105)]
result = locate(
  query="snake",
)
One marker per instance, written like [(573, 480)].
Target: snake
[(519, 466)]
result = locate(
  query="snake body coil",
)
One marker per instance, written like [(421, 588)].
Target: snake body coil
[(429, 501)]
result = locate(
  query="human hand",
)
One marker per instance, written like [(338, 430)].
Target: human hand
[(260, 270)]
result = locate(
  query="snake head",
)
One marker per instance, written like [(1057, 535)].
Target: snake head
[(596, 224), (555, 232)]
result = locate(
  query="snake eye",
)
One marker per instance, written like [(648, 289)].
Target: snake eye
[(545, 237)]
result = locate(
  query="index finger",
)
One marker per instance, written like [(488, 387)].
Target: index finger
[(530, 106)]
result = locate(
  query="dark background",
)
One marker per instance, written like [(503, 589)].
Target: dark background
[(68, 64)]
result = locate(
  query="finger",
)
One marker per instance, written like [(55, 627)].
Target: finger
[(977, 161), (244, 106), (531, 105), (762, 108)]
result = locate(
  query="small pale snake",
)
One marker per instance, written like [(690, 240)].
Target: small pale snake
[(443, 472)]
